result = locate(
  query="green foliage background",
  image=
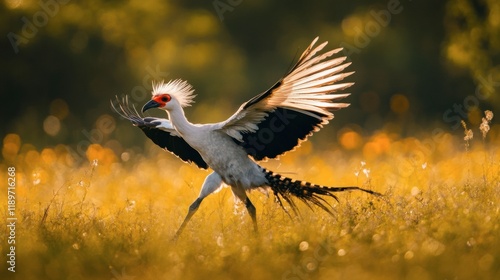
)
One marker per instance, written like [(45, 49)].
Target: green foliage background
[(435, 54)]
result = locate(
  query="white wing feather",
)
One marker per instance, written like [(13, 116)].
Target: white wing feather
[(307, 89)]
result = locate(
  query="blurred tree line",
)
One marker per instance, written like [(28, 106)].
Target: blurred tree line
[(417, 63)]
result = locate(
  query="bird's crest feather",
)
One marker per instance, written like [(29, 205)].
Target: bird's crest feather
[(179, 89)]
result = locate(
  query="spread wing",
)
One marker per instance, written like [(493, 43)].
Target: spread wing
[(161, 132), (277, 120)]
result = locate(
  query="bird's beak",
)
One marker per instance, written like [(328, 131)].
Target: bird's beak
[(149, 105)]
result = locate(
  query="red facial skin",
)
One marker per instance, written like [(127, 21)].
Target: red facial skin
[(162, 99)]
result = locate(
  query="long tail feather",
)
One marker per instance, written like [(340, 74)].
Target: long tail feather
[(311, 194)]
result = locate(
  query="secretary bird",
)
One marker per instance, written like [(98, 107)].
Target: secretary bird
[(264, 127)]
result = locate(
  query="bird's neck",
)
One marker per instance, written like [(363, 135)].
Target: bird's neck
[(179, 121)]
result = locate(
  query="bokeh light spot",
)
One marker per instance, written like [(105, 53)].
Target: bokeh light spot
[(458, 54), (48, 156), (105, 156), (311, 266), (51, 125), (125, 156), (32, 157), (350, 139), (201, 24), (351, 25), (164, 49), (380, 144), (399, 104), (409, 255), (303, 246), (341, 252), (11, 146)]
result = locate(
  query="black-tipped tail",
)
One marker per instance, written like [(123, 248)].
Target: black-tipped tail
[(286, 188)]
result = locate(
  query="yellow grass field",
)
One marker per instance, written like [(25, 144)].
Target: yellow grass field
[(113, 217)]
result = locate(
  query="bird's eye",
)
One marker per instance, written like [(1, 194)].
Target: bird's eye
[(165, 98)]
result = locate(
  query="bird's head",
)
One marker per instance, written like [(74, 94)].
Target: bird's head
[(167, 96)]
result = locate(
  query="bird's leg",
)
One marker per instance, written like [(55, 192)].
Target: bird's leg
[(251, 210), (240, 193), (211, 184), (192, 209)]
